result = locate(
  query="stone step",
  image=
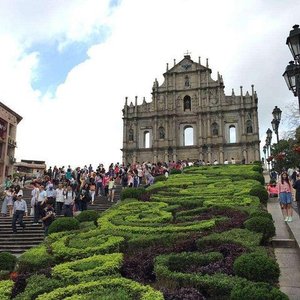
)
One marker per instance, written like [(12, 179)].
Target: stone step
[(36, 241), (20, 235), (284, 243)]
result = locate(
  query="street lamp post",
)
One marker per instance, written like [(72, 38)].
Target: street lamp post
[(264, 151), (292, 71), (268, 144), (276, 120)]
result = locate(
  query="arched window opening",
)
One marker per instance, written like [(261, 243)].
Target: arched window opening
[(188, 136), (232, 134), (147, 139), (161, 132), (187, 103), (249, 128), (215, 128)]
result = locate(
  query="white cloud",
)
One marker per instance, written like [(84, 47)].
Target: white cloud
[(82, 122)]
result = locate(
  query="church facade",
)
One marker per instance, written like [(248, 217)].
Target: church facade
[(191, 118)]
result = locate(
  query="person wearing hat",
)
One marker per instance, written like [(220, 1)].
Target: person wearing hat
[(20, 208)]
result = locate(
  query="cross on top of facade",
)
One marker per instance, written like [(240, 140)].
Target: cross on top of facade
[(188, 53)]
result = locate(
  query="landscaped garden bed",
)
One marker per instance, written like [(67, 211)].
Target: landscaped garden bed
[(202, 234)]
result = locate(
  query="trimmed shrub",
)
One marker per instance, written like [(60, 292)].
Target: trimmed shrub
[(38, 284), (257, 267), (243, 237), (263, 225), (258, 168), (261, 213), (160, 178), (88, 215), (7, 261), (96, 290), (63, 224), (175, 171), (34, 259), (261, 193), (88, 269), (256, 291), (5, 289), (129, 193)]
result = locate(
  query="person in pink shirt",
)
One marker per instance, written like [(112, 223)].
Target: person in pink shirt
[(285, 196), (272, 189)]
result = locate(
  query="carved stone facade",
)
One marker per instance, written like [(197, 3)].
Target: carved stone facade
[(191, 118), (9, 121)]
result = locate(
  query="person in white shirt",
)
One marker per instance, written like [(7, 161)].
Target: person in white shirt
[(226, 162), (20, 208), (69, 198), (59, 199)]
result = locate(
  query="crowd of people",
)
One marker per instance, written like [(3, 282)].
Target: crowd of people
[(67, 191), (286, 186)]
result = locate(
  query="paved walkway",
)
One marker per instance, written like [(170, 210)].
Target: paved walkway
[(286, 247)]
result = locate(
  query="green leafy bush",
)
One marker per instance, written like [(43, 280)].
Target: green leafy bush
[(84, 244), (63, 224), (5, 289), (175, 171), (256, 291), (261, 193), (99, 288), (160, 178), (261, 213), (38, 284), (129, 193), (7, 261), (257, 267), (35, 259), (263, 225), (258, 168), (88, 215), (88, 269), (243, 237)]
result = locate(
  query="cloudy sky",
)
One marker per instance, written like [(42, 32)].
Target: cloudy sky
[(67, 66)]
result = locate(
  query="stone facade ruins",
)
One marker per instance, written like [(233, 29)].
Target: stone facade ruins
[(191, 118)]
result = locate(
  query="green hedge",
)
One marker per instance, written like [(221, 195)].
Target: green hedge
[(88, 216), (97, 289), (263, 225), (35, 259), (129, 193), (63, 224), (7, 261), (216, 285), (88, 269), (256, 291), (5, 289), (243, 237), (261, 193), (257, 267), (37, 285), (83, 245)]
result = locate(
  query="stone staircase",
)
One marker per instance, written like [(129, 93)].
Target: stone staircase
[(33, 235)]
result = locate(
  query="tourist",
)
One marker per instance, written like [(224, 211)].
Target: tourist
[(59, 198), (272, 189), (92, 190), (69, 202), (34, 198), (7, 205), (232, 161), (40, 204), (84, 197), (111, 189), (226, 162), (19, 209), (48, 216), (285, 196)]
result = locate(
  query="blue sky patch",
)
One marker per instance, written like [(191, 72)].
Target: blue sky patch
[(54, 65)]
